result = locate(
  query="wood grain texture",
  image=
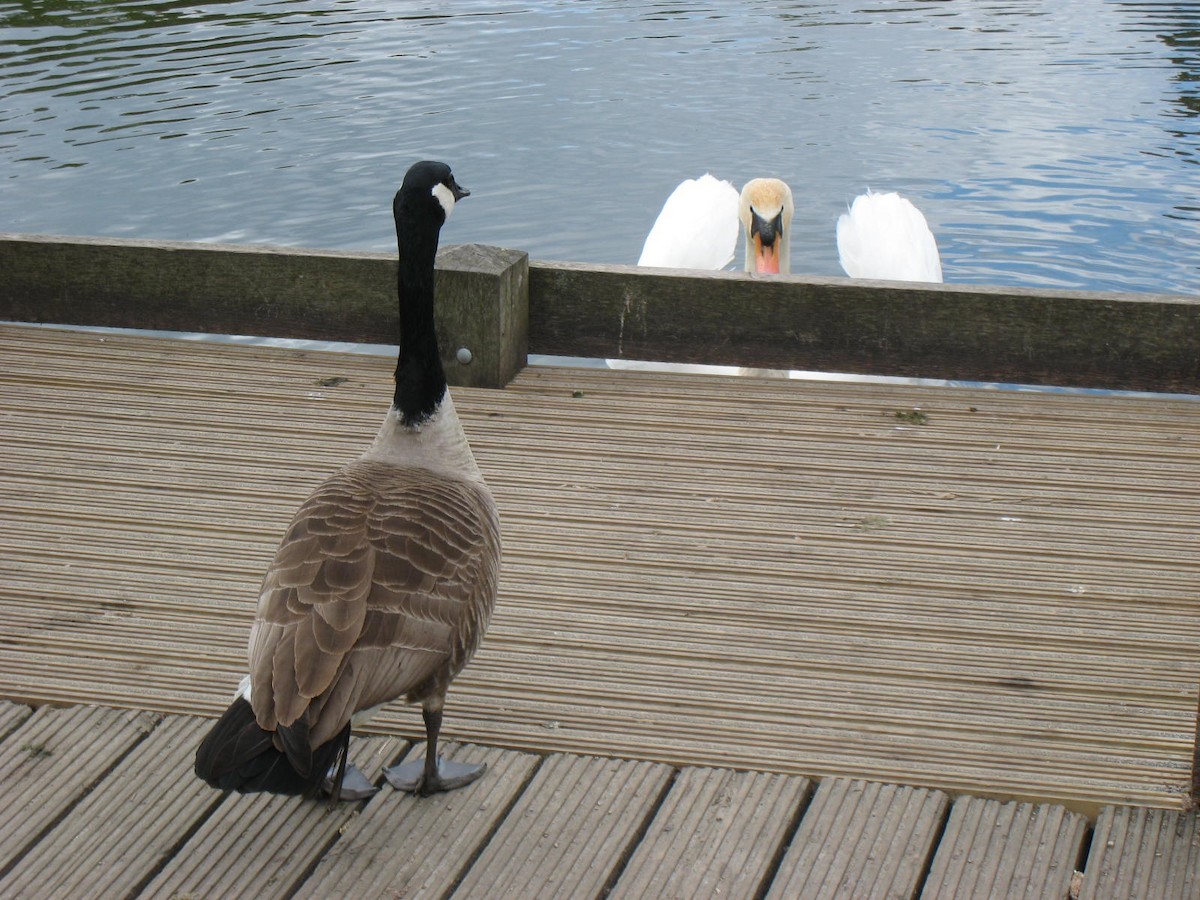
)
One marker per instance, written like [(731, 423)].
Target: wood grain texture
[(496, 304), (980, 333), (717, 834), (700, 570), (994, 849), (119, 833), (558, 825), (260, 846), (52, 760), (570, 832), (1143, 854), (483, 294), (421, 847), (862, 839)]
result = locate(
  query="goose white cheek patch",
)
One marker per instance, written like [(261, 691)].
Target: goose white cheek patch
[(444, 197)]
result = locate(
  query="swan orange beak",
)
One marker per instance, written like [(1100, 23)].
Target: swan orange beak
[(766, 256), (767, 237)]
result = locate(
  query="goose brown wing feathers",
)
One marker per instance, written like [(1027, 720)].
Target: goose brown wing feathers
[(381, 588)]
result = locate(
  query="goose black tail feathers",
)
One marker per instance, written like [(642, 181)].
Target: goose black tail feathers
[(237, 755)]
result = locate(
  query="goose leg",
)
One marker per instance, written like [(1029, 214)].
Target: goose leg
[(337, 774), (344, 781), (432, 774)]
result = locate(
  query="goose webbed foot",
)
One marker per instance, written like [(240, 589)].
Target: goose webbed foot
[(417, 777), (354, 785), (432, 774)]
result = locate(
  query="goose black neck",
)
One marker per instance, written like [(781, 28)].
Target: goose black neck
[(420, 378)]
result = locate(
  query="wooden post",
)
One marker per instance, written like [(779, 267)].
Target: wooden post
[(483, 313)]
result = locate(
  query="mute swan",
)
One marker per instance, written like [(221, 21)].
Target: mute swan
[(766, 214), (384, 583), (883, 236), (698, 226)]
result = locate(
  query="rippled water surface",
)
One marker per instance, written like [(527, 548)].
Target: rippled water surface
[(1049, 144)]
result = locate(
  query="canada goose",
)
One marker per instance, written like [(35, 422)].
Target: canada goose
[(698, 226), (884, 236), (384, 582)]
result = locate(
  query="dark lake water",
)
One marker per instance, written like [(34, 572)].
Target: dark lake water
[(1048, 143)]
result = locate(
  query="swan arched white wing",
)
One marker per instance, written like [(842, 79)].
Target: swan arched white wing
[(697, 228), (885, 237)]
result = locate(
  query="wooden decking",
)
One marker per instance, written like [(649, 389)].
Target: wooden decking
[(921, 621), (102, 803)]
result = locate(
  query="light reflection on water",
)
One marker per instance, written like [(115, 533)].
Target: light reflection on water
[(1048, 144)]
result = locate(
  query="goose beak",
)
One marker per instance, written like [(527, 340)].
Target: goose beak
[(458, 190), (767, 239)]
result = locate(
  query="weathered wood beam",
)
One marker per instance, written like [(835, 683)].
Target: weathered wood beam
[(225, 289), (1089, 339), (497, 305)]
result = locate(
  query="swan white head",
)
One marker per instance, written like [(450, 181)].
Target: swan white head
[(766, 212)]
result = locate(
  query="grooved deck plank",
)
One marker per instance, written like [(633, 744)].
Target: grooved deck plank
[(405, 846), (1143, 854), (569, 832), (1000, 601), (1014, 850), (260, 845), (52, 760), (861, 839), (716, 835), (12, 715), (116, 836)]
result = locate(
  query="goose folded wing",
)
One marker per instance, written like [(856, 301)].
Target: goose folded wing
[(372, 593)]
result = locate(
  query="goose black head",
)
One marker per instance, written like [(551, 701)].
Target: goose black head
[(428, 194)]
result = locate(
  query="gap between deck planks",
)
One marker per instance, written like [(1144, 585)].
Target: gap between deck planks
[(752, 573)]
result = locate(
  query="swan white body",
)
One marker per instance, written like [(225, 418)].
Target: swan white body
[(697, 228), (884, 236)]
